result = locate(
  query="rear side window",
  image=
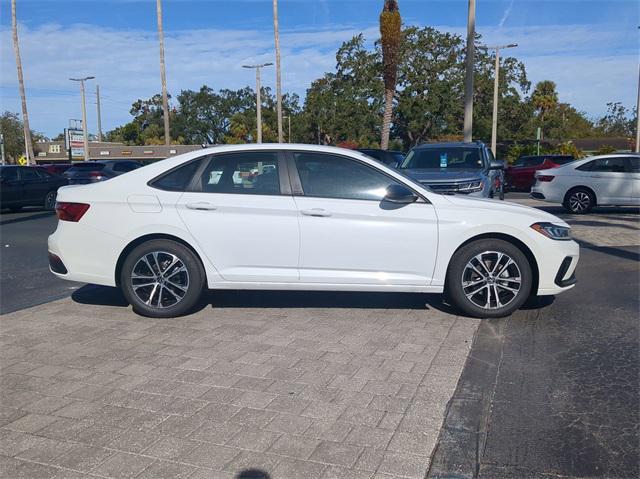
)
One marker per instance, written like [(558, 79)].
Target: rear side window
[(634, 163), (125, 166), (562, 160), (86, 167), (30, 174), (253, 173), (177, 179)]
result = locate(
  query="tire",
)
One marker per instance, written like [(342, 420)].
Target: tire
[(502, 194), (49, 203), (472, 298), (180, 283), (579, 201)]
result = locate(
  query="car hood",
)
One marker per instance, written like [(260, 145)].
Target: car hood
[(500, 208), (436, 175)]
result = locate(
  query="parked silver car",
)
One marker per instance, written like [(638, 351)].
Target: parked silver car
[(456, 168)]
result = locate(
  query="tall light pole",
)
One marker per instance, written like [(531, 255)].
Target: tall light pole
[(98, 112), (638, 117), (85, 133), (258, 100), (163, 75), (496, 85), (23, 98), (276, 34), (288, 118), (468, 80)]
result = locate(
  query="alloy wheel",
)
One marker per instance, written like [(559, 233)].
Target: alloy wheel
[(579, 201), (50, 200), (491, 280), (160, 279)]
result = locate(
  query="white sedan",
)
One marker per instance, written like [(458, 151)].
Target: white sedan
[(305, 218), (595, 181)]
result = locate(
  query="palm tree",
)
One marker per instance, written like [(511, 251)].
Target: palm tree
[(276, 34), (23, 97), (544, 99), (163, 75), (390, 27)]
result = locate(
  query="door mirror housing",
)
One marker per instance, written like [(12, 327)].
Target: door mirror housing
[(400, 194), (496, 165)]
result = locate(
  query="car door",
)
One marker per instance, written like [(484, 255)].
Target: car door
[(35, 187), (610, 180), (240, 210), (349, 234), (11, 186), (634, 173)]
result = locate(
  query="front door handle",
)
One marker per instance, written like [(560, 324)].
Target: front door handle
[(319, 212), (202, 205)]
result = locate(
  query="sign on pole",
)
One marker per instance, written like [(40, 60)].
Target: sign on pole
[(74, 141)]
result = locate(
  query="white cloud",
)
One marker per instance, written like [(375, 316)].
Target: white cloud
[(589, 67)]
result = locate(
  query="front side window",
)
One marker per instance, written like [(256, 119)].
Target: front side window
[(30, 174), (332, 176), (635, 165), (254, 172), (459, 158), (609, 165)]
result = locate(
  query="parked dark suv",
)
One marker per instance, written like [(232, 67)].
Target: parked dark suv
[(95, 171), (388, 157), (28, 186), (456, 168)]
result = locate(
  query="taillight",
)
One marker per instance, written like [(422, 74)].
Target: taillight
[(97, 175), (545, 177), (71, 211)]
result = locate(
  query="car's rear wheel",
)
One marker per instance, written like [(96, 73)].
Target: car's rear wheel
[(50, 201), (579, 201), (489, 278), (162, 279)]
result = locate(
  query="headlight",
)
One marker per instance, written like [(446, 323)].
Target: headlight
[(471, 186), (555, 232)]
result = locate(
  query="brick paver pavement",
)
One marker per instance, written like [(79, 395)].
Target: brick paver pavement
[(96, 391)]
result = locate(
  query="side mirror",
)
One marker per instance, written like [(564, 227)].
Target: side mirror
[(496, 165), (400, 194)]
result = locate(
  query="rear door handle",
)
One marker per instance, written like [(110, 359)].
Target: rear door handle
[(319, 212), (202, 205)]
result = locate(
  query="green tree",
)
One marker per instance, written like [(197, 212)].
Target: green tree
[(12, 129), (390, 38), (544, 100), (618, 121)]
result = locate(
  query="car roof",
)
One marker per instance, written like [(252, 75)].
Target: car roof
[(451, 144)]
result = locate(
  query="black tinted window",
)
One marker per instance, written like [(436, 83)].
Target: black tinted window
[(562, 160), (445, 158), (332, 176), (253, 172), (533, 161), (124, 166), (9, 174), (178, 179), (635, 165), (30, 174), (89, 166)]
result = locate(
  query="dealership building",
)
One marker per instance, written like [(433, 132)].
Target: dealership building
[(55, 152)]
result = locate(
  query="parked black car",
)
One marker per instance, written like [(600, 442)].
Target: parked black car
[(95, 171), (28, 186), (389, 158)]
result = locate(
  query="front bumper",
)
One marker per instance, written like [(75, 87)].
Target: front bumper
[(557, 266)]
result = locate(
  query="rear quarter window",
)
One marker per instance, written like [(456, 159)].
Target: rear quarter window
[(177, 179)]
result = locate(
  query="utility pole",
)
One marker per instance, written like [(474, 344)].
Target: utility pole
[(276, 34), (163, 76), (468, 80), (258, 100), (496, 86), (288, 117), (23, 98), (638, 116), (2, 158), (99, 116), (85, 133)]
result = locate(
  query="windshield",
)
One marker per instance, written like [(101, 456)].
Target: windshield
[(459, 158)]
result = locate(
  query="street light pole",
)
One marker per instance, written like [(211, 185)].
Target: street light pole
[(258, 100), (85, 133), (163, 75), (276, 34), (468, 81), (638, 116), (496, 86), (99, 116), (288, 118)]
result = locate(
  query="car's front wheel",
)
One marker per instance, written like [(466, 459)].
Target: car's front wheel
[(489, 278), (162, 279)]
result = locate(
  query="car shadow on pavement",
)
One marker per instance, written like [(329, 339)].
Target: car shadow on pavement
[(22, 218), (108, 296)]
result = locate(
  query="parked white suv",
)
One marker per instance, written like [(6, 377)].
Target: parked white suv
[(329, 218), (595, 181)]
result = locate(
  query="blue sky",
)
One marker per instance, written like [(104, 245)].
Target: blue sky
[(588, 47)]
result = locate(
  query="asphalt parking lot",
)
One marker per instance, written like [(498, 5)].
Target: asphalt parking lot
[(318, 384)]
